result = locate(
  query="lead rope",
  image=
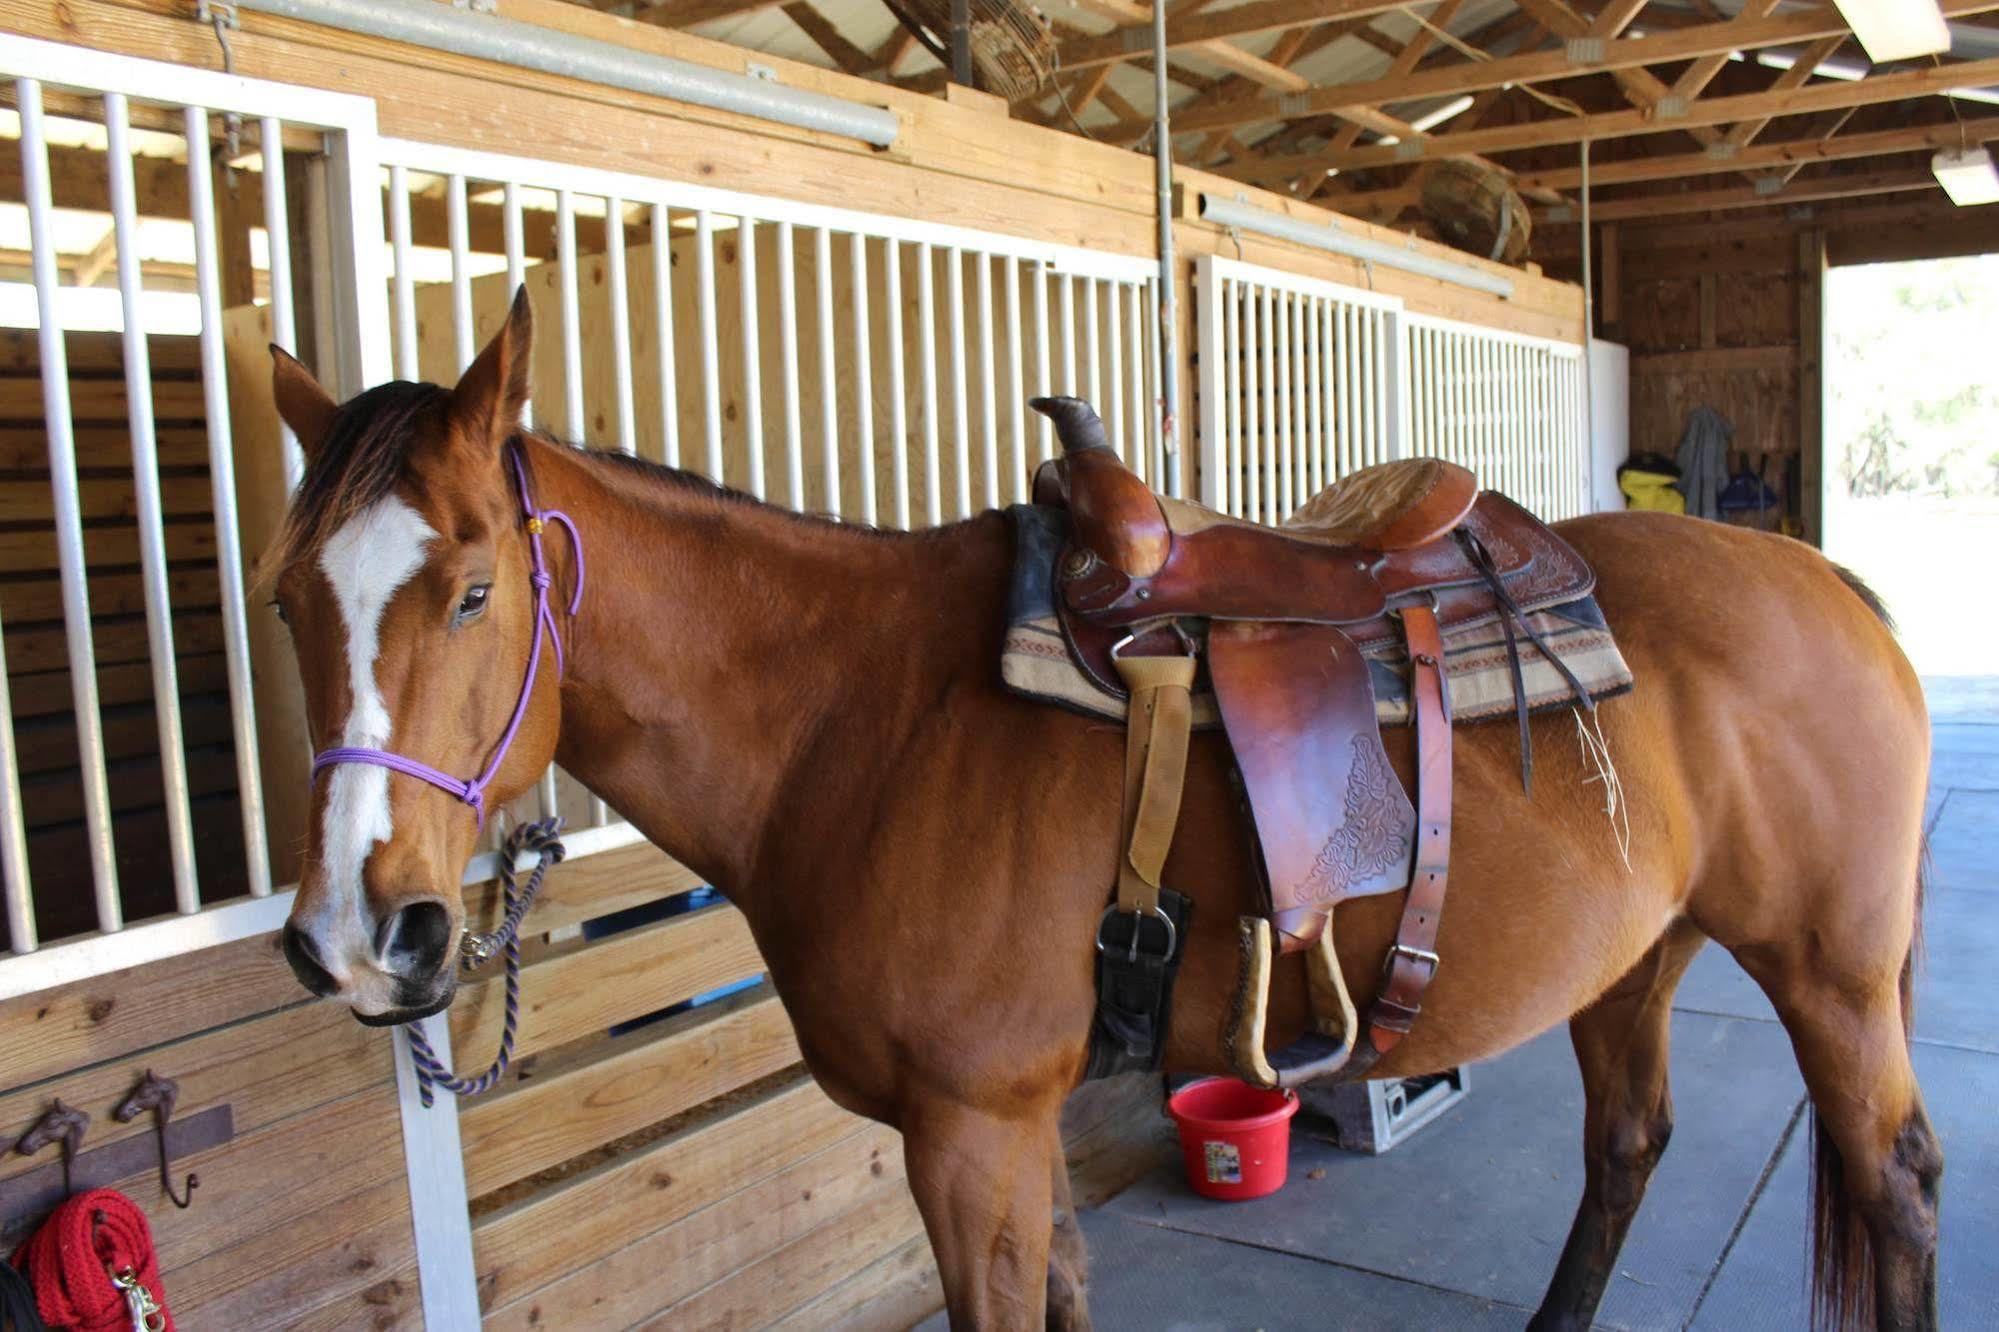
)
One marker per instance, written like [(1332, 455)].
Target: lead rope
[(544, 838)]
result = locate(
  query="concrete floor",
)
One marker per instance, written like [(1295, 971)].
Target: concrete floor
[(1460, 1226)]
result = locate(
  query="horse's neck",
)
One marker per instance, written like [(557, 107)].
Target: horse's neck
[(728, 656)]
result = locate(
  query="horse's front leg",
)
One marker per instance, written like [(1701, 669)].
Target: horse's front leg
[(983, 1183)]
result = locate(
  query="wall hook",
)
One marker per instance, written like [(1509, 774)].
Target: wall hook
[(59, 1123), (158, 1095)]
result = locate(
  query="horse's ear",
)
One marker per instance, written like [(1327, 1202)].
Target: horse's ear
[(303, 404), (494, 388)]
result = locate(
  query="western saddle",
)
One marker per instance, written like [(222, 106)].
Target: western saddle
[(1402, 551)]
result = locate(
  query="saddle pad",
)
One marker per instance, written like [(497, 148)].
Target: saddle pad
[(1035, 661)]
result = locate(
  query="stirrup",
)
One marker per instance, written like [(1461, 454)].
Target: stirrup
[(1323, 1051)]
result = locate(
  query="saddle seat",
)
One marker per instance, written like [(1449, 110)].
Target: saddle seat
[(1152, 555)]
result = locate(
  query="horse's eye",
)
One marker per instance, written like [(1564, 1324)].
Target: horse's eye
[(474, 602), (279, 608)]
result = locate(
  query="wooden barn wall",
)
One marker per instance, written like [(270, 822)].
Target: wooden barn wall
[(302, 1218)]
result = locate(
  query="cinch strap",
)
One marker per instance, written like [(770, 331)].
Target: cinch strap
[(472, 791)]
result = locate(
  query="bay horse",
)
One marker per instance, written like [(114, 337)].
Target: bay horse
[(809, 715)]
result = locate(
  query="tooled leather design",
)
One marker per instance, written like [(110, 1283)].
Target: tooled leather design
[(1372, 837)]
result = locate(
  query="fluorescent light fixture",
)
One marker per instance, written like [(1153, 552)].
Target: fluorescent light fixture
[(1967, 176), (1825, 69), (1457, 106), (1896, 29)]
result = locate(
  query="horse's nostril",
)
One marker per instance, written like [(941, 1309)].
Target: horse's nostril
[(305, 962), (415, 940)]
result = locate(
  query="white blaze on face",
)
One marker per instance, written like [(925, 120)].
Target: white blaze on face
[(365, 562)]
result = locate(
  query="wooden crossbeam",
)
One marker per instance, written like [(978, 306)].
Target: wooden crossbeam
[(1406, 59), (1808, 60), (1897, 181), (1526, 67), (1791, 152), (1244, 21), (693, 13), (850, 58), (1830, 96)]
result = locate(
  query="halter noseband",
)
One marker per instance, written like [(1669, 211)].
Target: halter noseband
[(473, 792)]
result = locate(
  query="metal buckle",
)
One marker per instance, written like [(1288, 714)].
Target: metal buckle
[(1186, 641), (1131, 955), (1414, 955)]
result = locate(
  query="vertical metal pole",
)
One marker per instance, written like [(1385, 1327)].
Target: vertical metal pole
[(669, 374), (277, 233), (575, 422), (898, 407), (711, 372), (1252, 405), (402, 290), (1016, 383), (66, 503), (787, 354), (1130, 450), (1044, 353), (961, 442), (864, 381), (1169, 279), (988, 406), (1092, 360), (457, 227), (961, 42), (829, 390), (926, 332), (146, 491), (753, 386), (1068, 317), (222, 477), (621, 324)]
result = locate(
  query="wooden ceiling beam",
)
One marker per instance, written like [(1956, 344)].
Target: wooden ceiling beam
[(1829, 96), (1244, 21), (1742, 135), (850, 58), (1898, 180), (693, 13), (1526, 67), (1791, 152), (1406, 59)]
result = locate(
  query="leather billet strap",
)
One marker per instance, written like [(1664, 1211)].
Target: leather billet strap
[(1155, 771), (1412, 959)]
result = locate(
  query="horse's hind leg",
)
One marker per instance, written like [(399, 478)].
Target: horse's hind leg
[(1877, 1164), (1621, 1043)]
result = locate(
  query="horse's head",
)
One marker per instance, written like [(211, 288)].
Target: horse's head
[(403, 571)]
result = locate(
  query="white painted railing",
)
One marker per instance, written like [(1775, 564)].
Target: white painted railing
[(102, 95), (1304, 381), (1506, 405)]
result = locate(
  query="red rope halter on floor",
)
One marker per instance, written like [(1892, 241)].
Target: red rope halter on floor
[(93, 1267)]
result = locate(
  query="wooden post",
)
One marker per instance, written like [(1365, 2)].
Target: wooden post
[(1610, 282), (1811, 383), (238, 206)]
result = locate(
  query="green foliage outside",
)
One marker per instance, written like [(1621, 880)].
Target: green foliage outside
[(1912, 398)]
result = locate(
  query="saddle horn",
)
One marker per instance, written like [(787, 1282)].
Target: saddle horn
[(1076, 423)]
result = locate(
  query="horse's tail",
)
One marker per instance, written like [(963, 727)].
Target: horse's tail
[(1842, 1256)]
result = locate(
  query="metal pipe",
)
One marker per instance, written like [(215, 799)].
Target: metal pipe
[(277, 233), (961, 441), (1169, 281), (621, 324), (711, 373), (530, 46), (401, 291), (829, 396), (926, 331), (575, 418), (787, 355), (458, 236), (1016, 400), (864, 380), (662, 293), (1589, 334), (1332, 237), (898, 406), (753, 384), (146, 491), (988, 402), (222, 478)]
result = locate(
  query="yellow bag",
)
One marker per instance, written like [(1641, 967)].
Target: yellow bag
[(1650, 490)]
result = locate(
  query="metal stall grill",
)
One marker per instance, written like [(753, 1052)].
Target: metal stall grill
[(1302, 382), (868, 368), (132, 497), (1506, 405)]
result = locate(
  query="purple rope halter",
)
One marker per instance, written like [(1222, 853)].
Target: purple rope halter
[(543, 837), (431, 1073), (473, 791)]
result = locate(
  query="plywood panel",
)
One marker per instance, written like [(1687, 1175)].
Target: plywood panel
[(595, 986), (1761, 403), (594, 1246), (586, 888), (567, 1106)]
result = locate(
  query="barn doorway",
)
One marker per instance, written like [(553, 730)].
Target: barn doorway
[(1912, 451)]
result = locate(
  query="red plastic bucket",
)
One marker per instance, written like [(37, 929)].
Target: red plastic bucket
[(1235, 1138)]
